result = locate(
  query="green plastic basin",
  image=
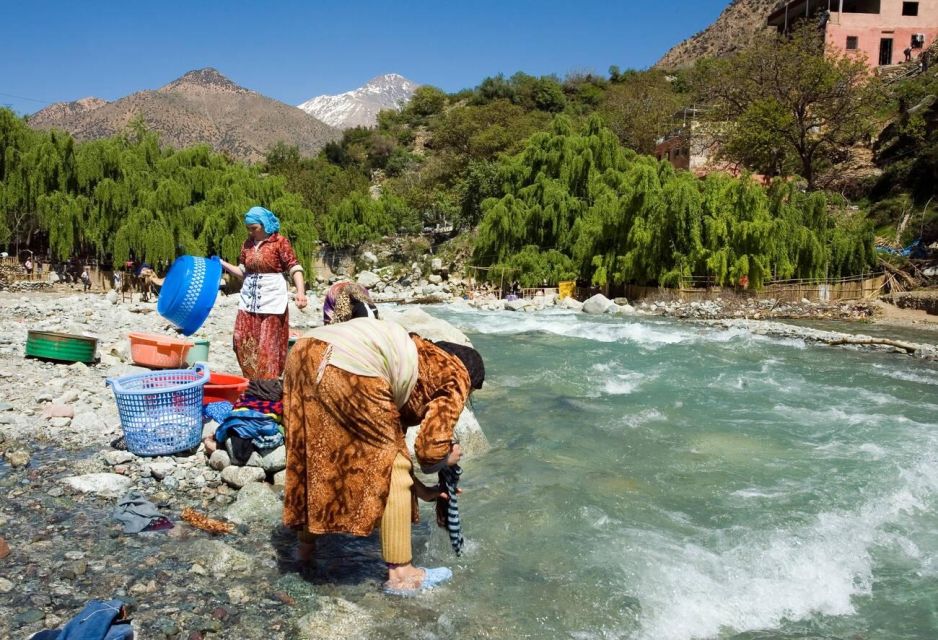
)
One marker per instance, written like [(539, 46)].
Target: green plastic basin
[(65, 347)]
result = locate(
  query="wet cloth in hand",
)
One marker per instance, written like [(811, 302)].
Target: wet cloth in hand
[(138, 514), (98, 620), (255, 426)]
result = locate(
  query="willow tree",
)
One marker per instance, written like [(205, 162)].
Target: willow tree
[(126, 197)]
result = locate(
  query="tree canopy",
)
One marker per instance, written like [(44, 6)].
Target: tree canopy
[(619, 217), (124, 197)]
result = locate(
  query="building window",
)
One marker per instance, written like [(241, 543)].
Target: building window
[(861, 6), (910, 8), (852, 43), (918, 40)]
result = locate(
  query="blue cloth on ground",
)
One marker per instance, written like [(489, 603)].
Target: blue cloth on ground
[(217, 411), (251, 425), (97, 621), (263, 217)]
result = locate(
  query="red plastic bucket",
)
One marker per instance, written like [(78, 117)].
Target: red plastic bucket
[(223, 386)]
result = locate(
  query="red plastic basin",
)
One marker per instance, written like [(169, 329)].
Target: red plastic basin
[(223, 386)]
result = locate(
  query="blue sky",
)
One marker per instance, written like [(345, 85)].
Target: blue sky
[(56, 51)]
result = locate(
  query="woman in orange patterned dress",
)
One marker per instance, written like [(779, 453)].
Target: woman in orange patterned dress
[(350, 391), (262, 328)]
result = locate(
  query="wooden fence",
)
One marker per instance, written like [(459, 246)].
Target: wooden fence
[(862, 287)]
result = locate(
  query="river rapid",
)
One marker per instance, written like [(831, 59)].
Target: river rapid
[(653, 479)]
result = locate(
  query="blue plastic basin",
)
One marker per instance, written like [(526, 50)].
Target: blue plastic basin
[(189, 291)]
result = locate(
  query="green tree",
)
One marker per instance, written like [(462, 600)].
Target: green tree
[(788, 106)]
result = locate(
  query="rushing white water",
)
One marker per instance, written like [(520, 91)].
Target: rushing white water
[(657, 480)]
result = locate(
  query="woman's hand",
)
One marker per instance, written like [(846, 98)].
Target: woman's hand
[(454, 455), (300, 300)]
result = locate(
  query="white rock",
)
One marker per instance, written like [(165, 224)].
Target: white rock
[(368, 256), (112, 296), (86, 421), (66, 398), (435, 279), (436, 264), (515, 305), (280, 478), (418, 321), (114, 458), (624, 310), (572, 304), (160, 470), (237, 477), (100, 483), (597, 305), (368, 279)]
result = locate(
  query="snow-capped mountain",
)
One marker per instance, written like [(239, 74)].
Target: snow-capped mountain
[(360, 107)]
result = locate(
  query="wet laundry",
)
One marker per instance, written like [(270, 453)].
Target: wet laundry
[(138, 514), (98, 620)]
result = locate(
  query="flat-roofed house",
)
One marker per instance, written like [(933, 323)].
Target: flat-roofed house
[(880, 31)]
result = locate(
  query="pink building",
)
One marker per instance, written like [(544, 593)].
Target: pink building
[(878, 30)]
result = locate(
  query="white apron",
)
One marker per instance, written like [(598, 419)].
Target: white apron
[(264, 293)]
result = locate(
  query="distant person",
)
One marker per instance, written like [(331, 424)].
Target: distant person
[(85, 280), (28, 266), (908, 54)]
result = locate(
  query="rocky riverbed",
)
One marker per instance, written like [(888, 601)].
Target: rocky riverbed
[(62, 470), (61, 475)]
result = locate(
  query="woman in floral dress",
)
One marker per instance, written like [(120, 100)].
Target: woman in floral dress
[(262, 328)]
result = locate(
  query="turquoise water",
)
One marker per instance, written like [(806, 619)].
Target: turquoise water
[(657, 480)]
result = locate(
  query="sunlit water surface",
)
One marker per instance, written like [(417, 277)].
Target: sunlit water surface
[(652, 479)]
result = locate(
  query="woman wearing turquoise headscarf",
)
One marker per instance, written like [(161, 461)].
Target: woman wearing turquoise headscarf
[(262, 328)]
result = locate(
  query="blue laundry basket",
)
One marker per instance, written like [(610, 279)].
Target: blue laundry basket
[(161, 411), (189, 291)]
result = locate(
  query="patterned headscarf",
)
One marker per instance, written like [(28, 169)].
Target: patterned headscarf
[(263, 217), (347, 300)]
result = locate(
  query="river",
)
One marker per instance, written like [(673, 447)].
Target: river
[(653, 479)]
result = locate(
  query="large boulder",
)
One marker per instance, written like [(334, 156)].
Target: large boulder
[(368, 279), (237, 477), (468, 431), (418, 321), (597, 305), (257, 502), (106, 484), (571, 303)]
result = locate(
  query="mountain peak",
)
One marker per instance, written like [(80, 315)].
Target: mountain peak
[(360, 107), (207, 78)]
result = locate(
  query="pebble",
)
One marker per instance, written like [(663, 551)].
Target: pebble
[(5, 585), (4, 549), (18, 458), (115, 458), (219, 460)]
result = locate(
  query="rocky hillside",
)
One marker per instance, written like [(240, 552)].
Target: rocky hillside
[(360, 107), (737, 27), (203, 106), (59, 111)]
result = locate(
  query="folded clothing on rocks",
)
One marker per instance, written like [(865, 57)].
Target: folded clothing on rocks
[(256, 417)]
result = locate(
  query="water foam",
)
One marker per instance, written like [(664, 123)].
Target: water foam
[(689, 591)]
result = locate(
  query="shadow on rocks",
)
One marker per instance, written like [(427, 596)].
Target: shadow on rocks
[(338, 560)]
